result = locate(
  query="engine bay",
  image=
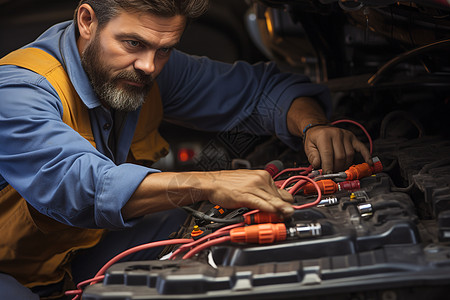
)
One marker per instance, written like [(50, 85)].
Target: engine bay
[(386, 237)]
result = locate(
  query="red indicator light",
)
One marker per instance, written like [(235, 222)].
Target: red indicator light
[(185, 154)]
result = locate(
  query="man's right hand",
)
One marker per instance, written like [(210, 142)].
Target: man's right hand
[(254, 189)]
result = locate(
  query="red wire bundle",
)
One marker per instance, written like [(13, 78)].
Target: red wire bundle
[(100, 274), (219, 233)]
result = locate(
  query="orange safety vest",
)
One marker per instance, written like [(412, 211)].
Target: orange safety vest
[(35, 249)]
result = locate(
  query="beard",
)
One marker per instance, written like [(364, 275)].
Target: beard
[(108, 87)]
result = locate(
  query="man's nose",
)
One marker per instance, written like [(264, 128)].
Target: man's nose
[(145, 62)]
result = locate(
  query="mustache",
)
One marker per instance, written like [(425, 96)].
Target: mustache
[(134, 77)]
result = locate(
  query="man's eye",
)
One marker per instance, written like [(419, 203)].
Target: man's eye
[(164, 51), (133, 44)]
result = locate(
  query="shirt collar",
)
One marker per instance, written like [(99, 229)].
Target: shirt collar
[(72, 63)]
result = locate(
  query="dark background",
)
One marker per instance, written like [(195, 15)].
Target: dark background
[(219, 34)]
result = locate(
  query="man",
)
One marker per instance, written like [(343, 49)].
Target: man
[(80, 109)]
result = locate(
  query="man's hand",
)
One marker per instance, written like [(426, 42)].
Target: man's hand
[(326, 147), (254, 189), (248, 188), (333, 148)]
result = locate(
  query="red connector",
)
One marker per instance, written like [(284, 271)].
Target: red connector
[(270, 233), (259, 234), (262, 217), (350, 186), (328, 186), (364, 170)]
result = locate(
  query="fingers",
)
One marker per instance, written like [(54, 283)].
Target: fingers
[(285, 195), (333, 149), (365, 153), (343, 151), (320, 150), (327, 154), (254, 189), (313, 155), (272, 199), (268, 203)]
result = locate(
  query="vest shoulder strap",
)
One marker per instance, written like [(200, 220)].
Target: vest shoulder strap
[(75, 113)]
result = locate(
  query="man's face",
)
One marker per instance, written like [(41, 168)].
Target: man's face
[(126, 55)]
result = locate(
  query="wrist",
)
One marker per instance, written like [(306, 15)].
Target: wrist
[(304, 111), (312, 125)]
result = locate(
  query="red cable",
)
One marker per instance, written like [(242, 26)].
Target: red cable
[(79, 289), (251, 212), (305, 170), (140, 248), (288, 181), (99, 276), (195, 243), (229, 227), (295, 188), (219, 232), (360, 126), (206, 245)]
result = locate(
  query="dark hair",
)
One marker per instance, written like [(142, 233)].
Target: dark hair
[(105, 10)]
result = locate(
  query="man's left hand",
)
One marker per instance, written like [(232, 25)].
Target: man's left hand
[(333, 148)]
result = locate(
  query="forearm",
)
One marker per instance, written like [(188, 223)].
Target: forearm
[(304, 111), (162, 191)]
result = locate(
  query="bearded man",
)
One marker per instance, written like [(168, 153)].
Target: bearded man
[(79, 118)]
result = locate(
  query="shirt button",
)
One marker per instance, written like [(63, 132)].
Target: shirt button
[(107, 126)]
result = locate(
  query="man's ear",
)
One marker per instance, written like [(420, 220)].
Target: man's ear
[(87, 22)]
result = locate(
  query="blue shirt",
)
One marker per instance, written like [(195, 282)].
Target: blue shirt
[(61, 175)]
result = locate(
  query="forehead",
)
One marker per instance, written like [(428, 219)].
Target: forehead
[(146, 25)]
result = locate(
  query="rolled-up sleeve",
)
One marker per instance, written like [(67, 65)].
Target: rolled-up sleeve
[(214, 96), (55, 169)]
